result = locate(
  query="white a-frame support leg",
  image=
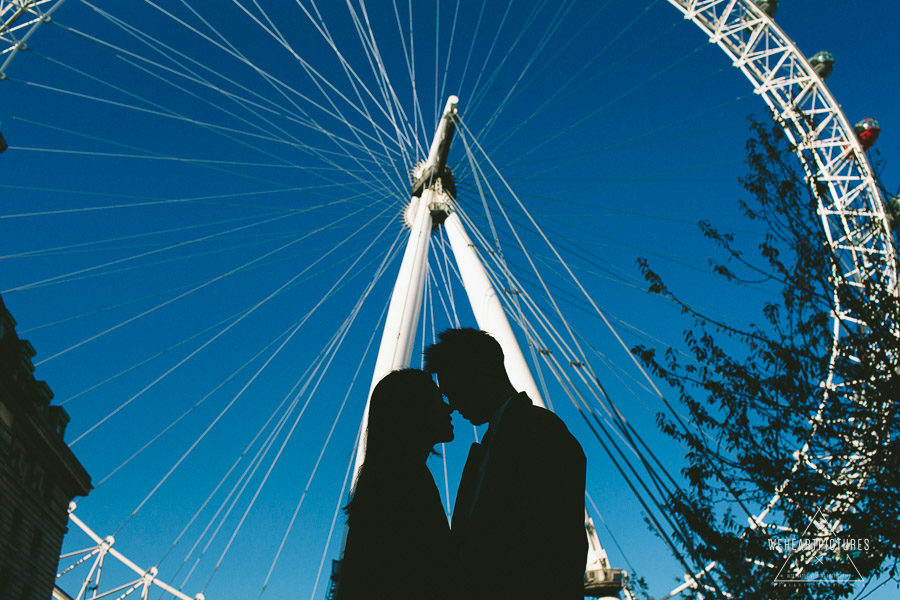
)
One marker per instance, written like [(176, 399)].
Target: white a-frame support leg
[(488, 309), (399, 334), (403, 313)]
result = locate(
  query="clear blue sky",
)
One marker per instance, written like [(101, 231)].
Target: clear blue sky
[(624, 130)]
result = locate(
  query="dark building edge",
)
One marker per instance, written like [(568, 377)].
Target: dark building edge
[(39, 474)]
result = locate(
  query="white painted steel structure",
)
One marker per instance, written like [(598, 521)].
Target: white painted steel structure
[(850, 206), (489, 312), (147, 578), (19, 19)]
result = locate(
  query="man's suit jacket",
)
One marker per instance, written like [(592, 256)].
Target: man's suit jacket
[(524, 536)]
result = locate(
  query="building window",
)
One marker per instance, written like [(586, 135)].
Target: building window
[(36, 542), (38, 481), (17, 458), (16, 527)]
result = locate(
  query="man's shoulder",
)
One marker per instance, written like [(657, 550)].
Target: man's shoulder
[(539, 422)]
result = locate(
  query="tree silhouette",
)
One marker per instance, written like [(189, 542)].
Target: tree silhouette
[(760, 422)]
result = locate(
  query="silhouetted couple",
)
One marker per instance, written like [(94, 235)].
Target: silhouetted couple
[(518, 520)]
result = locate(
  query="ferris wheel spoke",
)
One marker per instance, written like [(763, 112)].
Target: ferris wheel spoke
[(205, 199), (608, 443), (446, 70), (278, 85), (345, 144), (405, 140), (575, 154), (618, 276), (572, 275), (332, 183), (581, 362), (158, 113), (265, 238), (64, 277), (168, 350), (193, 407), (315, 76), (350, 388), (208, 342), (519, 287), (202, 161), (89, 208), (417, 118), (351, 461), (648, 500), (334, 518), (262, 102), (516, 236), (192, 290), (476, 90), (443, 268), (232, 375), (282, 133), (248, 105), (321, 367), (391, 102), (516, 291), (594, 114), (388, 257), (552, 60), (552, 26), (599, 312), (209, 498), (568, 87), (91, 245), (143, 362), (272, 30), (431, 289)]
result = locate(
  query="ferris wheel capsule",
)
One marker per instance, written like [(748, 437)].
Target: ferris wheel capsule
[(768, 6), (867, 132), (822, 63)]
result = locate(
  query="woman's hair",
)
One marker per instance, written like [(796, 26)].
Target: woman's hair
[(396, 413)]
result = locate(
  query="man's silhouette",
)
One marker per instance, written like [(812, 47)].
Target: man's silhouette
[(518, 523)]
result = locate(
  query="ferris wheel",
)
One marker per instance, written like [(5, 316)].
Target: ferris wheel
[(215, 204)]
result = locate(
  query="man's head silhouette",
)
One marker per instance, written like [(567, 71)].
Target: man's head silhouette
[(470, 371)]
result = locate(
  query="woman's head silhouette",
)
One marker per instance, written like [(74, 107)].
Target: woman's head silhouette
[(407, 416)]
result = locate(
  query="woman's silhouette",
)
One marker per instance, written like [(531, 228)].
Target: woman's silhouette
[(398, 537)]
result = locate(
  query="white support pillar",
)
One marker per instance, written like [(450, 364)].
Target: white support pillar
[(488, 309), (402, 318), (403, 312), (406, 300)]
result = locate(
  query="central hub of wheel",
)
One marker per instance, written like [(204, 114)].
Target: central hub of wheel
[(435, 184), (432, 181)]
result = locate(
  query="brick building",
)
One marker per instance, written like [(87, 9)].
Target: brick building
[(39, 475)]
